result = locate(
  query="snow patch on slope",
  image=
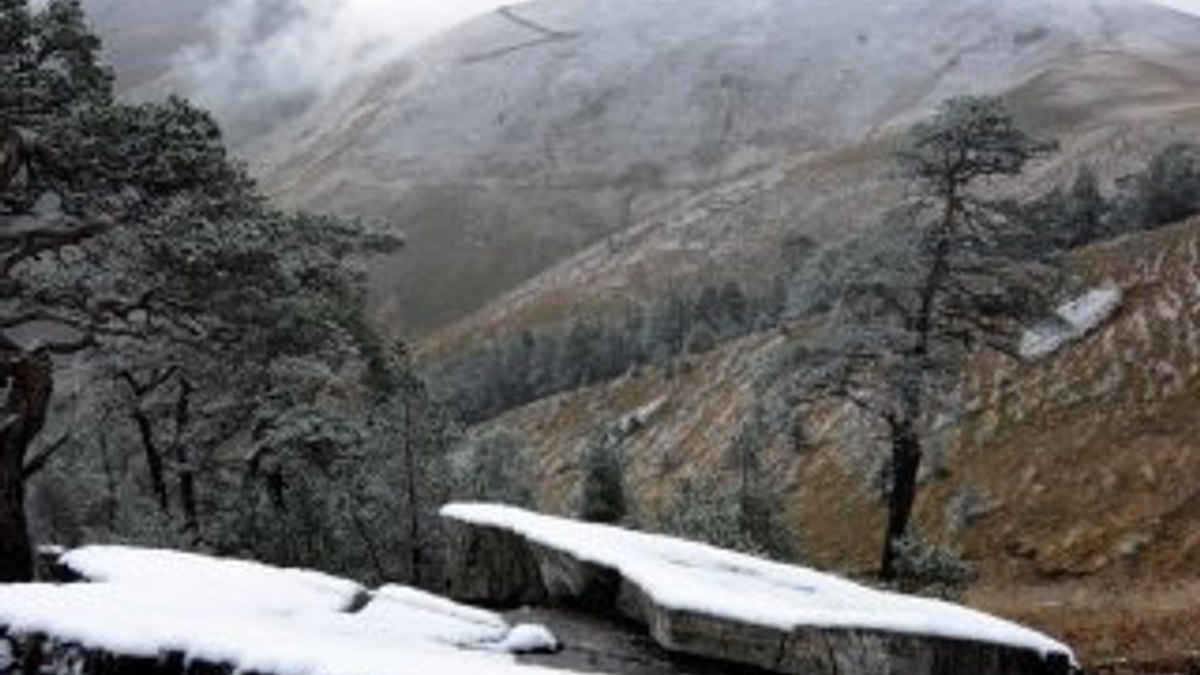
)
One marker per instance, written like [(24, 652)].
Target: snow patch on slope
[(257, 618), (687, 576), (1073, 320)]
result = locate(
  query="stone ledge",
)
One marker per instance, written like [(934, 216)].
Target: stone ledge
[(496, 567)]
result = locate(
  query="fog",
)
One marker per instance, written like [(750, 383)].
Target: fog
[(268, 59), (1190, 6)]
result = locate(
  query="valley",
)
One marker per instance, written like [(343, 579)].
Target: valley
[(633, 233)]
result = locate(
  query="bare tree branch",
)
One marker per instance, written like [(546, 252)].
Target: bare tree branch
[(39, 462)]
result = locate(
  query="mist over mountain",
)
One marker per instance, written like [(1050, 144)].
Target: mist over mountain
[(266, 60), (532, 132), (142, 40), (255, 63)]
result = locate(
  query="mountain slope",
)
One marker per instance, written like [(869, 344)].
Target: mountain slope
[(1066, 475), (142, 39), (1117, 405), (528, 134)]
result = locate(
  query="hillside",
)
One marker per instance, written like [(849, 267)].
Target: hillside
[(1066, 473), (521, 138), (1107, 111), (142, 39)]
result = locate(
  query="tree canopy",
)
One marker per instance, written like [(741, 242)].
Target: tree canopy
[(129, 235)]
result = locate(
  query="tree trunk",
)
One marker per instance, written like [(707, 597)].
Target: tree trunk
[(906, 465), (30, 382), (184, 466), (111, 484), (16, 551), (187, 497), (906, 426), (414, 512), (154, 460), (11, 159)]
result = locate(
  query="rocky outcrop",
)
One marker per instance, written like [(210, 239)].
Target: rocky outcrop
[(483, 560), (492, 567), (45, 655), (175, 613), (497, 568)]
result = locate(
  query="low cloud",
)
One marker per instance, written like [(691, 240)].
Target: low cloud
[(1189, 6), (269, 59)]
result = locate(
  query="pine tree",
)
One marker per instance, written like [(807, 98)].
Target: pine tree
[(1088, 208), (602, 485), (949, 272), (129, 233)]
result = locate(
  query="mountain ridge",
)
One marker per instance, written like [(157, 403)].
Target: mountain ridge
[(525, 136)]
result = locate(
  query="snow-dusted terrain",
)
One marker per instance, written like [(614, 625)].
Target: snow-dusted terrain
[(574, 90), (528, 134), (687, 576), (256, 618)]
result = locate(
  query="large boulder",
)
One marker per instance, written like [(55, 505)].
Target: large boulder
[(491, 567), (494, 567), (493, 564), (142, 611)]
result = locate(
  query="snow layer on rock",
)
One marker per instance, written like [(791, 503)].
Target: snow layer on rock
[(528, 639), (688, 576), (257, 618), (190, 579), (1074, 320)]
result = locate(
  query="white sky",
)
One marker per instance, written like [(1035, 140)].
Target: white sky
[(1190, 6)]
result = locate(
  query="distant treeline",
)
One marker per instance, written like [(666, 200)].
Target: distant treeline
[(512, 371), (533, 364)]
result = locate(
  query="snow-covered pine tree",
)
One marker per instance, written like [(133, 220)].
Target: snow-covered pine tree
[(126, 232), (602, 481), (950, 271)]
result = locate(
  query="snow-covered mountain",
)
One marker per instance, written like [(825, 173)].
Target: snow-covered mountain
[(541, 128), (566, 91)]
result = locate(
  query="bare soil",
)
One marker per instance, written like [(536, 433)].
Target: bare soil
[(1117, 627)]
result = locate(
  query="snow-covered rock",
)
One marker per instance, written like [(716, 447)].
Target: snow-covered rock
[(705, 601), (7, 658), (1075, 319), (144, 606), (528, 639)]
